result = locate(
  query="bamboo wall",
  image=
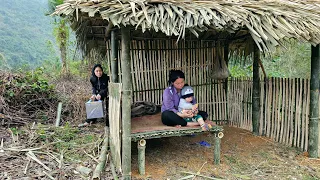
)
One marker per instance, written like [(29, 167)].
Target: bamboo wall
[(284, 102), (284, 108), (151, 61)]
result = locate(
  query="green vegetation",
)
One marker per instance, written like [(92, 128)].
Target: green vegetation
[(294, 61), (24, 33)]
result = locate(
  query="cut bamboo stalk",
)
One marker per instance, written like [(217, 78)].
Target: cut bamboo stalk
[(103, 156), (283, 110), (299, 115), (141, 156), (296, 113), (279, 109), (272, 96), (307, 116), (58, 114), (303, 112), (31, 155), (292, 106)]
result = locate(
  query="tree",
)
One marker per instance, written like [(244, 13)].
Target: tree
[(61, 32)]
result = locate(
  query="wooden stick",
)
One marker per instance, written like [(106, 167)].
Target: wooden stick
[(48, 175), (186, 172), (199, 170), (25, 169), (32, 156), (93, 158)]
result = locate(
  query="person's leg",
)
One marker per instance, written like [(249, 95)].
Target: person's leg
[(170, 118), (107, 112), (203, 114)]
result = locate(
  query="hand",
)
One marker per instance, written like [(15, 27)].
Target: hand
[(186, 114), (98, 97), (93, 97), (195, 107)]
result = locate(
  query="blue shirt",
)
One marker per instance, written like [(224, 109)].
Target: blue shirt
[(170, 99)]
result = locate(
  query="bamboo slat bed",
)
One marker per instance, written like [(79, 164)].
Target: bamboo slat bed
[(150, 127)]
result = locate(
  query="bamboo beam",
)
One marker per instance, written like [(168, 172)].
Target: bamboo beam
[(256, 92), (314, 102), (114, 57), (126, 102)]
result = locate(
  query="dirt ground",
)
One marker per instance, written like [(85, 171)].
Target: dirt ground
[(243, 156)]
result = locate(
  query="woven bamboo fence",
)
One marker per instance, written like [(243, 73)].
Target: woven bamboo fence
[(151, 61), (284, 102), (284, 108)]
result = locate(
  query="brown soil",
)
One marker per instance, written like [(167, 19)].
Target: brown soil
[(243, 156)]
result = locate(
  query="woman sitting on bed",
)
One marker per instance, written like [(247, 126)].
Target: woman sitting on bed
[(170, 115)]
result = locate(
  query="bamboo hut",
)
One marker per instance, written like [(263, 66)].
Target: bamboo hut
[(164, 34)]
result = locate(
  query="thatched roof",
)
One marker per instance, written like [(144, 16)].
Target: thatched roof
[(268, 22)]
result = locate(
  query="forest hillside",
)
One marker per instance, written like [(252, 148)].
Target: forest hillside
[(25, 32)]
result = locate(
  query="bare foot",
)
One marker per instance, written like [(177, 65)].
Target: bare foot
[(178, 126), (210, 122)]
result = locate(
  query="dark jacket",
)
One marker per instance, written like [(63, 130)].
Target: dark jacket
[(99, 85)]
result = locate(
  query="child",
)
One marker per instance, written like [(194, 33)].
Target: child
[(186, 103)]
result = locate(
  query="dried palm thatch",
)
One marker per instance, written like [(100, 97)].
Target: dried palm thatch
[(267, 21)]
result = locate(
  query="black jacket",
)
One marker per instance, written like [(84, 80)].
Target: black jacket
[(99, 85)]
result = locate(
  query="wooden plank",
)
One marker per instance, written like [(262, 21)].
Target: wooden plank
[(115, 121)]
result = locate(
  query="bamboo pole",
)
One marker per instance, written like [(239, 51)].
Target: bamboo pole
[(59, 114), (141, 156), (314, 102), (103, 156), (226, 59), (217, 142), (114, 57), (256, 92), (126, 102)]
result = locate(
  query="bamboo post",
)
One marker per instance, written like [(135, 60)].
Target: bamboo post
[(59, 114), (114, 57), (217, 143), (256, 92), (225, 55), (126, 102), (314, 102), (141, 156)]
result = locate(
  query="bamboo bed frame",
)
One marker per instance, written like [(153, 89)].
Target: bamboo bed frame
[(150, 127)]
